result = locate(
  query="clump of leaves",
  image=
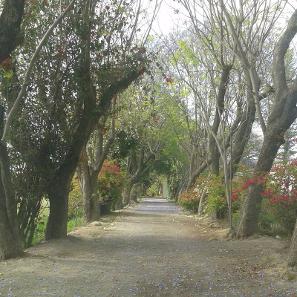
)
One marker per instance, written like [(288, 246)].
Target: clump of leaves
[(110, 183), (189, 200)]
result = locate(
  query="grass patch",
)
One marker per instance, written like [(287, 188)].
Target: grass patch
[(39, 234), (74, 223)]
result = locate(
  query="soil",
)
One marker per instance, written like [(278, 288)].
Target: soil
[(152, 249)]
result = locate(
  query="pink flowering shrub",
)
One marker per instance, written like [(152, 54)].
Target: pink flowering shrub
[(110, 183), (279, 203), (189, 200), (280, 195), (279, 206)]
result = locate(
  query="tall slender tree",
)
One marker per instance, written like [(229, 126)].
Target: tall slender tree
[(283, 114)]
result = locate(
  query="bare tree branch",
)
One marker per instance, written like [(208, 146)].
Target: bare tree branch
[(278, 68)]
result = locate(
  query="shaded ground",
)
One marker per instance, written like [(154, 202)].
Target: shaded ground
[(149, 250)]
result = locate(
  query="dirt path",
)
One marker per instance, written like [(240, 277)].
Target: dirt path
[(150, 250)]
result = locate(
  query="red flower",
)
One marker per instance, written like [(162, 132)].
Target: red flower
[(234, 195), (169, 80), (294, 162), (110, 168), (267, 193)]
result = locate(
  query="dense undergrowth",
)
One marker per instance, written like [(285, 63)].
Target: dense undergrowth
[(279, 199), (110, 183)]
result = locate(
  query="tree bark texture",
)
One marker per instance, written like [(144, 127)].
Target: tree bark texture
[(10, 27), (87, 180), (197, 172), (273, 139), (220, 103), (242, 137), (57, 221), (92, 112), (292, 259), (136, 192), (88, 173), (126, 195), (10, 241), (282, 115)]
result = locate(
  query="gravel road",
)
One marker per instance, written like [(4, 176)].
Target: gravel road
[(152, 249)]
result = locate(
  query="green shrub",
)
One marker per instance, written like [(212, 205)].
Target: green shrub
[(280, 197), (279, 203), (75, 213), (110, 184), (75, 222), (39, 233), (189, 201), (216, 200), (216, 205), (211, 188), (75, 200), (153, 190)]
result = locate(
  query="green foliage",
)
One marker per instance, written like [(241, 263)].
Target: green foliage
[(40, 227), (39, 233), (185, 52), (216, 201), (279, 203), (75, 222), (124, 143), (75, 213), (280, 199), (162, 166), (212, 189), (216, 205), (110, 183), (189, 200), (153, 189), (7, 74), (75, 201)]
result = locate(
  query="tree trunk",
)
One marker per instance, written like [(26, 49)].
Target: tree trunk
[(91, 114), (250, 212), (274, 138), (215, 158), (91, 209), (10, 246), (87, 182), (242, 137), (57, 221), (10, 23), (197, 172), (87, 193), (283, 114), (220, 105), (10, 241), (201, 201), (88, 174), (292, 259), (136, 192), (127, 193), (28, 211)]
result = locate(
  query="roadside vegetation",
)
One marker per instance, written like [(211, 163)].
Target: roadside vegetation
[(96, 111)]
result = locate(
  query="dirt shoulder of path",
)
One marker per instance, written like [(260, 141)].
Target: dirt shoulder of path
[(80, 235), (151, 249), (273, 251)]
